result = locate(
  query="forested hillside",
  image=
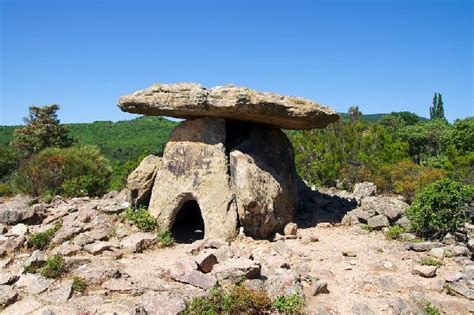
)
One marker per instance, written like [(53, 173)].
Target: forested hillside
[(118, 141)]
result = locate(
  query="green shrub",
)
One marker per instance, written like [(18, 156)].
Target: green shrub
[(141, 218), (430, 309), (165, 238), (394, 232), (440, 208), (41, 240), (74, 171), (429, 261), (238, 300), (8, 161), (53, 268), (6, 190), (78, 284), (290, 304)]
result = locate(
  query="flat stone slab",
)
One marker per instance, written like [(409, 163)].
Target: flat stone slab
[(190, 100)]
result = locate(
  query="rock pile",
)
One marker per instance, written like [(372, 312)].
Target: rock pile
[(229, 163)]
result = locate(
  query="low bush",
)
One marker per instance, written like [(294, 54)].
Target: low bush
[(41, 240), (74, 171), (242, 300), (290, 304), (431, 310), (429, 261), (53, 268), (238, 300), (78, 284), (394, 232), (141, 218), (165, 238), (6, 190), (440, 208)]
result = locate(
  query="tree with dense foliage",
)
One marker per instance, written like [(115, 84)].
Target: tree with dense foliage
[(42, 130), (437, 110)]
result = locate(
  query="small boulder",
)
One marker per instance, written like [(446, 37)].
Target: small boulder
[(138, 242), (378, 222), (290, 229), (205, 261), (197, 279), (7, 296), (37, 259), (99, 247), (425, 271), (437, 252), (423, 246), (19, 229), (319, 287), (365, 189), (235, 269)]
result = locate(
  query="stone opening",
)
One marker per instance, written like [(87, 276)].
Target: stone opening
[(188, 225)]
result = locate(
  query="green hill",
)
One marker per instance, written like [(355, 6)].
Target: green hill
[(120, 140)]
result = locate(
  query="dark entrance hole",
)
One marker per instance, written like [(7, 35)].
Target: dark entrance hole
[(188, 225)]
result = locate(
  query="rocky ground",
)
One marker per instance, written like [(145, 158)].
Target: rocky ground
[(340, 269)]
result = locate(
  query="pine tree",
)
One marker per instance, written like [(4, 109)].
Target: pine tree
[(437, 110), (42, 130)]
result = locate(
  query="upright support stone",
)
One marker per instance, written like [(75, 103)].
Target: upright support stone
[(195, 167), (264, 181)]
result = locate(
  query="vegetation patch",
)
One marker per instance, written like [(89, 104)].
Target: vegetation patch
[(290, 304), (242, 300), (53, 268), (394, 232), (431, 309), (440, 208), (41, 240), (429, 261), (141, 218), (165, 238), (78, 284)]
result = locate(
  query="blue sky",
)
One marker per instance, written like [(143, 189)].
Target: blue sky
[(380, 55)]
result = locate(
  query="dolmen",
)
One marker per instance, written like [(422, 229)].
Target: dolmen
[(229, 161)]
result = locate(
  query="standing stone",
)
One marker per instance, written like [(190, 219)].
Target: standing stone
[(194, 167), (140, 181), (265, 182)]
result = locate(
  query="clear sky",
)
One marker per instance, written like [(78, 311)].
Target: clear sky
[(380, 55)]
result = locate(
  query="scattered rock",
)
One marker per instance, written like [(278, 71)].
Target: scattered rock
[(99, 247), (33, 283), (235, 269), (349, 253), (423, 246), (66, 249), (198, 279), (60, 294), (16, 210), (378, 222), (290, 229), (437, 252), (459, 250), (118, 285), (37, 259), (283, 282), (319, 287), (138, 242), (365, 189), (8, 278), (19, 229), (425, 271), (7, 296), (205, 261)]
